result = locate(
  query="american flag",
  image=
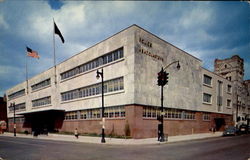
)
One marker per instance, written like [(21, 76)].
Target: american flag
[(32, 53)]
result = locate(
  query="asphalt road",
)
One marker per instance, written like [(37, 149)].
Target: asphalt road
[(221, 148)]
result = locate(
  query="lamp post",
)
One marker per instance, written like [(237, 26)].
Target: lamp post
[(98, 74), (162, 80), (14, 108)]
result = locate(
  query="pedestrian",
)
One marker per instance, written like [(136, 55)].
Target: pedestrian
[(213, 128), (76, 133), (35, 133)]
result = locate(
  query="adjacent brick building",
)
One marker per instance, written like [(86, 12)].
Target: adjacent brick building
[(3, 109)]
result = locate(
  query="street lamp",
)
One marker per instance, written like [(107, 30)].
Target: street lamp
[(162, 81), (14, 108), (98, 74)]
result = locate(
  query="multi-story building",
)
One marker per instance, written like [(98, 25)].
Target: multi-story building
[(233, 70), (68, 96)]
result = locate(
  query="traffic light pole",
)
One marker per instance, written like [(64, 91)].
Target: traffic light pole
[(162, 81), (162, 139)]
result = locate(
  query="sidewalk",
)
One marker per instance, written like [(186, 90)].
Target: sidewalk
[(116, 141)]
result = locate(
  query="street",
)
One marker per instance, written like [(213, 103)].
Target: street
[(221, 148)]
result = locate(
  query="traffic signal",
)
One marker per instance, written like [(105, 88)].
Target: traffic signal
[(162, 78), (165, 78)]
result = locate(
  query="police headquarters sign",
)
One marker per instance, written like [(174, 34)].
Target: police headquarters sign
[(145, 48)]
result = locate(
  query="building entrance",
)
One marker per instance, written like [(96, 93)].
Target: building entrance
[(219, 123), (44, 122)]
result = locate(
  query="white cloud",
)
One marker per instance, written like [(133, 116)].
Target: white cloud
[(3, 23), (69, 19), (201, 15)]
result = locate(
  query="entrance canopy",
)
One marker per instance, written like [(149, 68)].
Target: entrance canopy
[(44, 121), (40, 111)]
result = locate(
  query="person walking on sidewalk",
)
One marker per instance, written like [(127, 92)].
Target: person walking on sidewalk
[(76, 133)]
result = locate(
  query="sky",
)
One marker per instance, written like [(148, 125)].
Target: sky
[(206, 30)]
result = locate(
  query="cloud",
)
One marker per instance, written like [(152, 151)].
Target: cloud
[(203, 29), (70, 18), (3, 23), (201, 16)]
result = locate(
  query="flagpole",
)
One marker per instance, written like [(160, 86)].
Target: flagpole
[(54, 48), (26, 68)]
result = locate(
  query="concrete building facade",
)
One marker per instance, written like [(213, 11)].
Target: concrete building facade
[(68, 96)]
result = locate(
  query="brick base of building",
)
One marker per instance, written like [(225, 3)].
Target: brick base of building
[(136, 126)]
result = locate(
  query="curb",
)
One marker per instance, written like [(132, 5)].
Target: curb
[(116, 141)]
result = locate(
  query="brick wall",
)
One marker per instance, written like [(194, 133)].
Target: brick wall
[(112, 126), (139, 127)]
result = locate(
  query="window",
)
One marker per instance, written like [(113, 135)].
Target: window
[(18, 107), (90, 93), (169, 113), (121, 85), (206, 116), (120, 53), (98, 88), (108, 58), (41, 101), (93, 91), (116, 85), (71, 115), (207, 80), (229, 103), (116, 55), (189, 115), (16, 94), (109, 86), (229, 88), (110, 112), (207, 98), (219, 93)]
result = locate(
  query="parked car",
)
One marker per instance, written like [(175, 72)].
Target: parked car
[(243, 129), (230, 130)]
